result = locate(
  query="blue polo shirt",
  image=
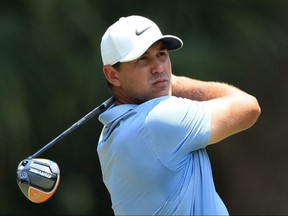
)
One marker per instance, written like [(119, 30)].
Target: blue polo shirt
[(153, 158)]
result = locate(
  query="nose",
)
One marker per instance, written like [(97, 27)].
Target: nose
[(157, 66)]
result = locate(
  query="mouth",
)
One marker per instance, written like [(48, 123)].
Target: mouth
[(160, 81)]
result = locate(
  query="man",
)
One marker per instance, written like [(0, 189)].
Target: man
[(152, 147)]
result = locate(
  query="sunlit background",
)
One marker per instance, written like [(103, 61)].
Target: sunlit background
[(51, 76)]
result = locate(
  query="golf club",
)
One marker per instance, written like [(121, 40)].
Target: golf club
[(38, 178)]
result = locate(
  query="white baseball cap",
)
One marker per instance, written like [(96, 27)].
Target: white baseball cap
[(130, 37)]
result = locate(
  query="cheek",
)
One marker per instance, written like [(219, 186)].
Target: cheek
[(135, 77), (137, 83), (131, 82)]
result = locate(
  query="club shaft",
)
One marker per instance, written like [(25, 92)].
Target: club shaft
[(77, 124)]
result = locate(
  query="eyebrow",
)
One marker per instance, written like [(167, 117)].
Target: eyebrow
[(161, 48)]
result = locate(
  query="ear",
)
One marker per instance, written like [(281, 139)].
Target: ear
[(111, 75)]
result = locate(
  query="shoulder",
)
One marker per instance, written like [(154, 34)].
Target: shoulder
[(167, 104), (174, 118), (177, 123), (175, 109)]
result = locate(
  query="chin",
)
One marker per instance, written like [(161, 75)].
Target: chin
[(163, 94)]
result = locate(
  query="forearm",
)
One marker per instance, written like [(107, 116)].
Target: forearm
[(232, 109), (201, 90)]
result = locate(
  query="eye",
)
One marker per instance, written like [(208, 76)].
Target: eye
[(163, 53), (142, 58)]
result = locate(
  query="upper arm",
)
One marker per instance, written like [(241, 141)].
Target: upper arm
[(175, 128), (232, 110), (231, 114)]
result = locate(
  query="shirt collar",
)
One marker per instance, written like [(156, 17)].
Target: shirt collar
[(113, 112)]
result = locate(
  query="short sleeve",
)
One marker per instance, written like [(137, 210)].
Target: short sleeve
[(175, 128)]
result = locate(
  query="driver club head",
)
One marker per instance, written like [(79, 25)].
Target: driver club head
[(38, 178)]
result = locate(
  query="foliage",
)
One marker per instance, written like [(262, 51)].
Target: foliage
[(51, 76)]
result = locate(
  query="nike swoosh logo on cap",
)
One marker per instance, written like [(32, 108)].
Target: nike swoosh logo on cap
[(139, 32)]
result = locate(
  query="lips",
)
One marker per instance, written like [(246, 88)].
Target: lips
[(160, 81)]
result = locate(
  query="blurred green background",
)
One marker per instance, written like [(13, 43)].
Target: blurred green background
[(51, 76)]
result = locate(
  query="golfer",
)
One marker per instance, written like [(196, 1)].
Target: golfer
[(152, 148)]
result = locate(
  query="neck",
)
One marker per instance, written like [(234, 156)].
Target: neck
[(121, 98)]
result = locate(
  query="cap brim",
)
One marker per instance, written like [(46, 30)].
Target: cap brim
[(171, 42)]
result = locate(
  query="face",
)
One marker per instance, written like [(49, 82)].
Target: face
[(145, 78)]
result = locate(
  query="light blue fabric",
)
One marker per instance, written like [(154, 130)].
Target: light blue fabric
[(154, 161)]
